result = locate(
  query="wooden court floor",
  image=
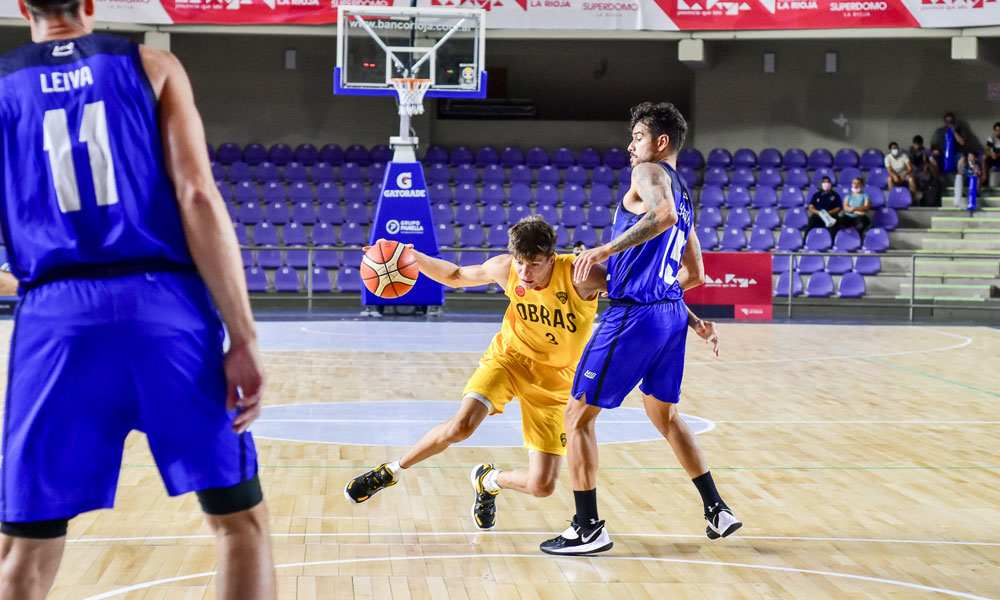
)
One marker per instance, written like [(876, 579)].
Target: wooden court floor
[(864, 461)]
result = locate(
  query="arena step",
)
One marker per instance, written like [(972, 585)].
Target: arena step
[(960, 244), (964, 223), (951, 290)]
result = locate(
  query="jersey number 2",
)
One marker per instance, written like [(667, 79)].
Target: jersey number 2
[(59, 145)]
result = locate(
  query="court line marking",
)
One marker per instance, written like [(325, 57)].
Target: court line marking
[(685, 561), (647, 422), (799, 468)]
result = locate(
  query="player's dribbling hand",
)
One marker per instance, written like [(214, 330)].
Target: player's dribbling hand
[(587, 259), (245, 380), (706, 331), (380, 240)]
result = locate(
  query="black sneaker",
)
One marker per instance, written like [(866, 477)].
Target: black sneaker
[(578, 540), (484, 511), (365, 485), (721, 522)]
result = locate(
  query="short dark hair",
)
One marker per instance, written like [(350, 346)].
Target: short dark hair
[(825, 178), (531, 237), (891, 144), (662, 118), (919, 139), (579, 244), (949, 114), (997, 124), (43, 9)]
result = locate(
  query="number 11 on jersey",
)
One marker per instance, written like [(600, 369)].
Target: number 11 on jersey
[(59, 146)]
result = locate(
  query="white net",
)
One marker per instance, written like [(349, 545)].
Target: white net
[(411, 94)]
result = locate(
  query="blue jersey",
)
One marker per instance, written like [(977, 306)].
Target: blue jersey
[(84, 181), (647, 273)]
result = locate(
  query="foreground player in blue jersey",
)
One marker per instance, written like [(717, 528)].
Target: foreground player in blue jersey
[(653, 259), (121, 244)]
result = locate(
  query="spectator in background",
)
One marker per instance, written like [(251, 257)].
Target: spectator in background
[(919, 159), (927, 172), (578, 248), (937, 140), (856, 206), (824, 207), (900, 170), (992, 154)]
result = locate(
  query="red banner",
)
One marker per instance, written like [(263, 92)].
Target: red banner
[(244, 12), (787, 14), (738, 279)]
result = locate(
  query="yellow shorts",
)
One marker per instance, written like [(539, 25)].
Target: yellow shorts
[(542, 390)]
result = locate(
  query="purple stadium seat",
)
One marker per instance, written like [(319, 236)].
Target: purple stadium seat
[(734, 239), (264, 234), (872, 159), (745, 157), (327, 259), (781, 287), (789, 240), (738, 218), (465, 193), (225, 191), (269, 259), (562, 158), (562, 237), (519, 194), (606, 235), (517, 212), (321, 280), (796, 218), (494, 174), (256, 280), (280, 154), (273, 191), (466, 174), (218, 173), (868, 264), (445, 234), (228, 153), (295, 172), (572, 215), (241, 235), (471, 236), (743, 176), (536, 158), (332, 154), (511, 157), (820, 285), (770, 158), (435, 155), (350, 172), (443, 213), (349, 280), (768, 218), (810, 263), (769, 177), (493, 194), (300, 192), (598, 216), (356, 212), (250, 213), (852, 285), (585, 234), (716, 176), (818, 240), (712, 196), (230, 210), (820, 158), (600, 195), (307, 154), (496, 236), (707, 236), (847, 175), (521, 174), (278, 213), (294, 234), (603, 175), (878, 177), (240, 171), (691, 158), (588, 158), (548, 175), (358, 155), (846, 158), (625, 177), (761, 240), (795, 158), (738, 197), (847, 240), (797, 177), (779, 264), (546, 194), (493, 214), (764, 197), (615, 158), (822, 172), (709, 217), (689, 175), (574, 195), (439, 192), (899, 198), (876, 240), (719, 157), (322, 173), (381, 154), (375, 173), (329, 212), (885, 218), (467, 214), (575, 175), (254, 154), (876, 195), (352, 234), (838, 265), (791, 197), (548, 213), (323, 234)]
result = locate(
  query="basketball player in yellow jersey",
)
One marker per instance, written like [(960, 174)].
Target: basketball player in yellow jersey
[(533, 358)]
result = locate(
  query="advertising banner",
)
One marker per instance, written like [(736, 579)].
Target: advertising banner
[(741, 280)]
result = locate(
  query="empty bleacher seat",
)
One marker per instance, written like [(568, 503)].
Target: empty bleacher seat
[(847, 240), (768, 218), (690, 157), (349, 280), (511, 157), (795, 158), (494, 174), (782, 285), (712, 196), (734, 239), (852, 285), (818, 240), (563, 158), (769, 158), (820, 158), (537, 158), (256, 279), (548, 175), (810, 263), (820, 285), (846, 158), (769, 177), (332, 154), (738, 197), (745, 157), (838, 265), (761, 239), (228, 153), (320, 282), (707, 237), (789, 240), (872, 159), (719, 157), (876, 240), (254, 154), (471, 236)]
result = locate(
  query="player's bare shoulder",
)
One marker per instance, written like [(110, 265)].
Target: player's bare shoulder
[(498, 268), (159, 65)]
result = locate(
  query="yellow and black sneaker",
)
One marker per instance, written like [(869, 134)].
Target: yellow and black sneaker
[(365, 485), (484, 511)]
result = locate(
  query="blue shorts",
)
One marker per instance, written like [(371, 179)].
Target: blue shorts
[(632, 343), (93, 359)]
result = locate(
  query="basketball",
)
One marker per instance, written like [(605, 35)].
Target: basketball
[(389, 269)]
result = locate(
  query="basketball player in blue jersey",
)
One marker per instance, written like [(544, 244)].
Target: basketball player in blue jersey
[(653, 259), (121, 243)]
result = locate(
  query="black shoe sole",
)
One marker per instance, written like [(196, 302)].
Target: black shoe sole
[(712, 535), (593, 551)]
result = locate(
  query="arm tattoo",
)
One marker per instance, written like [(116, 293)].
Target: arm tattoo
[(653, 195)]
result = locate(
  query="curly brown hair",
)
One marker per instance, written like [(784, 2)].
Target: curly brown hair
[(531, 237), (42, 9)]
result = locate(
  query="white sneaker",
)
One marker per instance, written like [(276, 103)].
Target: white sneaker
[(721, 523), (577, 541)]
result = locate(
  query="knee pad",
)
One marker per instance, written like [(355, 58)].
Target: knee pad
[(233, 499)]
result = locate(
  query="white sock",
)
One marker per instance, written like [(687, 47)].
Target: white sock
[(395, 469), (490, 482)]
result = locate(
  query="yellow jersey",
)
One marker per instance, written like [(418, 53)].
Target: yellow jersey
[(550, 325)]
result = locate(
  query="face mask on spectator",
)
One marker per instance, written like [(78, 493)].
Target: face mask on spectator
[(895, 151), (826, 186), (855, 189)]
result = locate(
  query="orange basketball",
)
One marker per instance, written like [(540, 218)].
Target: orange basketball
[(389, 269)]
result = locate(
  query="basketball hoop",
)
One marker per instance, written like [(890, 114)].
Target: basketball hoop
[(411, 92)]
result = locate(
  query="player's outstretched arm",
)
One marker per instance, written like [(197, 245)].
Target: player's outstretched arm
[(705, 330), (448, 273), (595, 284), (207, 228), (692, 271), (652, 184)]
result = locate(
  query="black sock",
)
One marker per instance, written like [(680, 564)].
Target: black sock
[(709, 495), (586, 507)]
